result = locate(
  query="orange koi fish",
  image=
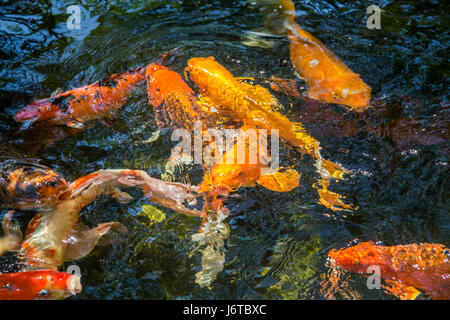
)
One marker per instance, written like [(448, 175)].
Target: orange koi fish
[(175, 103), (25, 184), (76, 106), (230, 173), (327, 77), (257, 108), (38, 285), (173, 195), (405, 268)]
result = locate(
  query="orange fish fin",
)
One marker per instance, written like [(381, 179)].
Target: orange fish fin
[(333, 169), (330, 199), (280, 181), (398, 289), (76, 123)]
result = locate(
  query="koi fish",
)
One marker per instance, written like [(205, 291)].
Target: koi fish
[(327, 77), (230, 173), (54, 237), (78, 105), (405, 268), (28, 142), (25, 184), (175, 103), (256, 108), (38, 285)]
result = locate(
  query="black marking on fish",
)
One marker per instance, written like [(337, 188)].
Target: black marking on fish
[(62, 102), (109, 82)]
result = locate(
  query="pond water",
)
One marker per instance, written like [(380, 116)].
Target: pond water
[(278, 242)]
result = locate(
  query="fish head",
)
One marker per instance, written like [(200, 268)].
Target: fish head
[(56, 285), (36, 187), (163, 82), (203, 70), (38, 111), (39, 285)]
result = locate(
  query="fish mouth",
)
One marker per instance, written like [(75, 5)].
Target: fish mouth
[(74, 284)]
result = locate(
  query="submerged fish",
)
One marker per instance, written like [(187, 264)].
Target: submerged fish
[(38, 285), (327, 77), (244, 164), (25, 184), (78, 105), (405, 268)]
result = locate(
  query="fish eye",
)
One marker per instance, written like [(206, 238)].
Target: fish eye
[(43, 293)]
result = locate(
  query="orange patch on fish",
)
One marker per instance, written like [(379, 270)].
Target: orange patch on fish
[(38, 285), (406, 268)]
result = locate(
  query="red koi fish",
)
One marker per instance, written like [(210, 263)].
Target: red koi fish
[(38, 285), (78, 105), (405, 268)]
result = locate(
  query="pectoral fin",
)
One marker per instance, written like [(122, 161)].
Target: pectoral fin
[(401, 290), (82, 242), (121, 197), (280, 181)]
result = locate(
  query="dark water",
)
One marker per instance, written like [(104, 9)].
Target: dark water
[(278, 243)]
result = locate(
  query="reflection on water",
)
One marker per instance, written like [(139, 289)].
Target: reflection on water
[(278, 242)]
